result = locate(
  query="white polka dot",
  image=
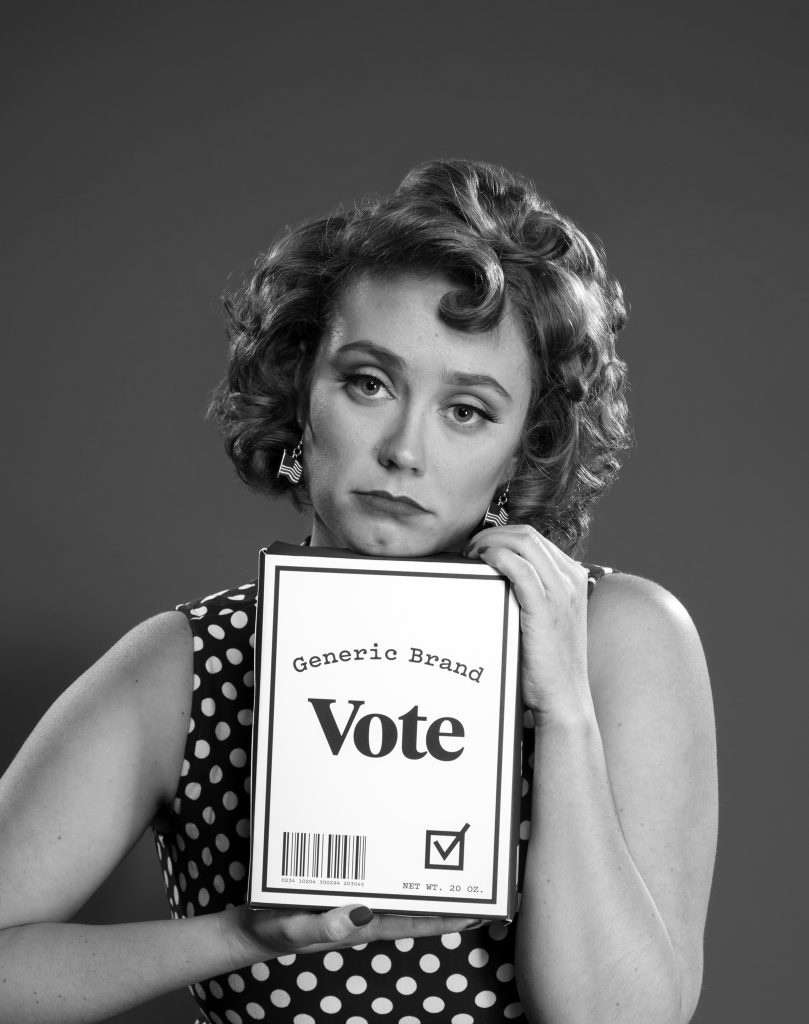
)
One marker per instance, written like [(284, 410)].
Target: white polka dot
[(505, 972), (199, 610), (191, 725), (485, 998), (222, 730), (409, 1020), (525, 829), (208, 706), (381, 963), (197, 681), (193, 790), (512, 1010), (381, 1005), (191, 830), (200, 991), (278, 997), (203, 897), (207, 858), (213, 665), (362, 945), (252, 640), (233, 1017), (243, 828), (404, 944), (217, 632), (219, 883), (307, 981), (451, 940), (209, 816), (238, 620), (303, 1018), (236, 982), (478, 957), (456, 983), (198, 643), (230, 800), (356, 984), (215, 774), (222, 842), (181, 842), (498, 931), (333, 961), (290, 958), (432, 1004), (202, 748), (531, 761), (183, 882), (215, 989), (524, 786), (186, 768), (330, 1004), (463, 1018), (429, 963), (407, 986), (234, 655), (245, 716), (260, 972), (229, 691), (257, 1012), (193, 870), (237, 871), (356, 1020), (238, 758)]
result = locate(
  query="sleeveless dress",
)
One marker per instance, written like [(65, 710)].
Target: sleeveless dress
[(203, 845)]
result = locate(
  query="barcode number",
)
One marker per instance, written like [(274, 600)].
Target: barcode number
[(323, 855)]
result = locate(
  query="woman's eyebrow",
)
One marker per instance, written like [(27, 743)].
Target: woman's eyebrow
[(369, 348), (467, 380), (457, 378)]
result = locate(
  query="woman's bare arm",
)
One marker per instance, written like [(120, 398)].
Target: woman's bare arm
[(623, 833), (85, 785)]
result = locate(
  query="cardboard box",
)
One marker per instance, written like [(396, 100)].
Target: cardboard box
[(386, 736)]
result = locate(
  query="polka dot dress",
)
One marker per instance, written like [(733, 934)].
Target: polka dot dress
[(203, 846)]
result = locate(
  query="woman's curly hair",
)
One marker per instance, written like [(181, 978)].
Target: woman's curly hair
[(497, 240)]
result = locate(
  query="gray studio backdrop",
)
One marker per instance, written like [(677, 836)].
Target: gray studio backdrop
[(152, 150)]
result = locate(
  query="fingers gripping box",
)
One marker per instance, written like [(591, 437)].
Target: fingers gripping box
[(386, 738)]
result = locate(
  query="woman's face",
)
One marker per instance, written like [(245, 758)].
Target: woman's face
[(403, 405)]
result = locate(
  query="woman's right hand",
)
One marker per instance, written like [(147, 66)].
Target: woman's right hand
[(263, 934)]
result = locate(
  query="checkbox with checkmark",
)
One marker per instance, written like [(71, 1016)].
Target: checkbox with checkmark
[(445, 849)]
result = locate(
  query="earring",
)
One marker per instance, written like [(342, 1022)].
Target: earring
[(291, 465), (496, 513)]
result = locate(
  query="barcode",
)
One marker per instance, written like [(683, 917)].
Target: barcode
[(323, 855)]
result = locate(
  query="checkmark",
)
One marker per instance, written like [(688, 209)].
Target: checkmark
[(458, 837), (447, 857)]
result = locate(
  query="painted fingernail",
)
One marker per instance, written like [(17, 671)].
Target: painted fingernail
[(360, 916), (474, 924)]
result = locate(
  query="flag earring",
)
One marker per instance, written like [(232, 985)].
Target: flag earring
[(291, 465), (496, 513)]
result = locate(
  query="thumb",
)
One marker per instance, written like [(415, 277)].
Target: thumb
[(340, 923)]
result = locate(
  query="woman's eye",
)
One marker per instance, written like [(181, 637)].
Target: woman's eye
[(462, 413), (366, 384)]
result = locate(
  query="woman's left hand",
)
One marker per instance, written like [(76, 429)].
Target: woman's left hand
[(551, 589)]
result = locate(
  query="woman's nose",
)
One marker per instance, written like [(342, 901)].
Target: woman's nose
[(402, 445)]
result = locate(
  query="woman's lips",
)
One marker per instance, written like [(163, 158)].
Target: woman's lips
[(379, 501)]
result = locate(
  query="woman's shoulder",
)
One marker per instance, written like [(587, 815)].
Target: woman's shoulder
[(641, 637)]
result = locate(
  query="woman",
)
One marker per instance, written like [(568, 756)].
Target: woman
[(431, 372)]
